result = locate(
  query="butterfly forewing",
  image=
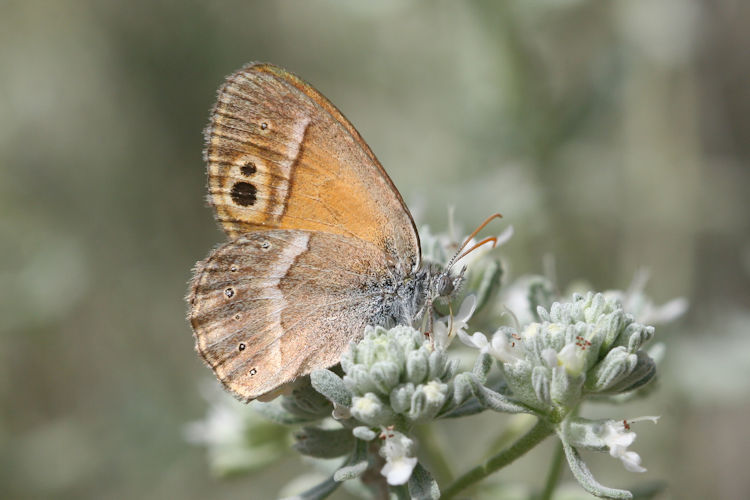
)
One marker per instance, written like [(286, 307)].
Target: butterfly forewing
[(280, 155), (273, 305)]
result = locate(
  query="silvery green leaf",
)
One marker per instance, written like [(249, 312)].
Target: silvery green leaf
[(352, 471), (644, 371), (401, 397), (417, 366), (487, 397), (462, 390), (331, 386), (422, 486), (636, 335), (437, 365), (310, 405), (324, 443), (358, 381), (482, 366), (565, 389), (384, 375), (543, 314), (418, 404), (584, 477), (616, 365), (540, 376)]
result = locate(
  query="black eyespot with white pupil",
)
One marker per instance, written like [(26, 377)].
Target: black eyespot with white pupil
[(253, 371), (242, 346), (229, 292)]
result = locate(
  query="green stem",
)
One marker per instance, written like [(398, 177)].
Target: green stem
[(555, 467), (436, 457), (526, 442)]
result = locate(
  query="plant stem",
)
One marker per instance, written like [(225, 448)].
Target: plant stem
[(526, 442), (554, 473), (436, 457)]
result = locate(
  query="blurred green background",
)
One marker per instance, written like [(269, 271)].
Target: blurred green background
[(611, 134)]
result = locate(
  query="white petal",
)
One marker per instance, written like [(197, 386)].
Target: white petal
[(502, 350), (478, 340), (667, 312), (503, 237), (398, 471), (467, 309), (632, 462)]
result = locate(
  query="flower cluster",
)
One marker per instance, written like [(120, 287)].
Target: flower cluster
[(396, 376), (586, 346)]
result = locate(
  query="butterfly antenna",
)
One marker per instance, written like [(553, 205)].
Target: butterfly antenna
[(491, 239), (469, 238)]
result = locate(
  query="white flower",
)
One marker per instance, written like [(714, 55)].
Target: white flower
[(399, 462), (445, 329), (617, 436), (571, 359), (500, 348)]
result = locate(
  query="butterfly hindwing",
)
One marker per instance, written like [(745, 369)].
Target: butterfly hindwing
[(273, 305)]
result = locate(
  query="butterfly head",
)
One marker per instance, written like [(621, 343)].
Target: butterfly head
[(445, 284)]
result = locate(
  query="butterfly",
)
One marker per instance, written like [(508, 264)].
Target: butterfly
[(321, 243)]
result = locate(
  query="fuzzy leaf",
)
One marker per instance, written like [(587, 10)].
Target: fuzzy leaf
[(584, 477), (331, 386), (324, 443), (422, 486)]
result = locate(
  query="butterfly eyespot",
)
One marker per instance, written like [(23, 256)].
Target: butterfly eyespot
[(253, 371), (233, 268), (263, 126), (265, 245), (229, 292), (237, 317), (243, 194), (248, 169), (242, 346)]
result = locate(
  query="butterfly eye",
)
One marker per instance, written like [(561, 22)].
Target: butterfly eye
[(263, 126), (265, 245), (229, 292), (253, 372), (233, 268), (445, 285), (241, 347)]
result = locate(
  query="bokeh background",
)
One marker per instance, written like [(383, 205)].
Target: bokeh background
[(611, 134)]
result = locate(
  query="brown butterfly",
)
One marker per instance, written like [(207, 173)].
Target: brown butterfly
[(321, 242)]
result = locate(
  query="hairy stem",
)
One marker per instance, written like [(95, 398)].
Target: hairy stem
[(555, 467), (526, 442)]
